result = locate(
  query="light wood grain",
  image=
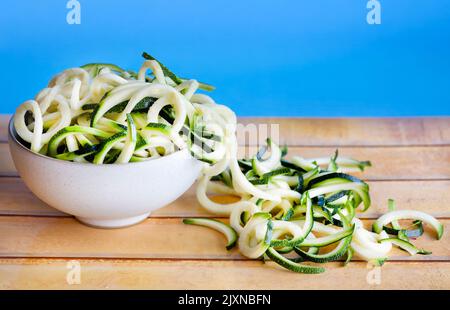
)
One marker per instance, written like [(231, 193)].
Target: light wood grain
[(332, 131), (154, 238), (4, 120), (389, 163), (410, 159), (427, 196), (188, 274), (7, 167), (353, 131)]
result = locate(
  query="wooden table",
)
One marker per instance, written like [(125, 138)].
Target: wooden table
[(411, 163)]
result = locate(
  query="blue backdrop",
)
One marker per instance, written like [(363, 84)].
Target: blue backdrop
[(304, 58)]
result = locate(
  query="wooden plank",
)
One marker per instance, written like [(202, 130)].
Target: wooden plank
[(389, 163), (4, 120), (7, 167), (350, 131), (427, 196), (188, 274), (154, 238), (329, 131)]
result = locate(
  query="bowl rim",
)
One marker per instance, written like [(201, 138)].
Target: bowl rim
[(12, 137)]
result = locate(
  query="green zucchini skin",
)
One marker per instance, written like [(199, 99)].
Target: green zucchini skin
[(407, 246), (166, 71), (290, 265), (309, 222), (280, 171), (336, 196), (71, 130), (333, 175), (324, 241), (106, 145), (98, 66), (141, 106), (245, 166), (350, 253), (410, 233), (336, 253), (265, 178), (140, 141), (81, 153), (301, 184), (292, 166), (408, 214), (327, 257)]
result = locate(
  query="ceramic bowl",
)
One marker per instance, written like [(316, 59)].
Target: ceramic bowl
[(107, 196)]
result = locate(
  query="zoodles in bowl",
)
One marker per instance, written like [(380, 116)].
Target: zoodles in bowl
[(291, 211), (100, 113)]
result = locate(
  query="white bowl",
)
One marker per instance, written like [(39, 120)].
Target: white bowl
[(107, 196)]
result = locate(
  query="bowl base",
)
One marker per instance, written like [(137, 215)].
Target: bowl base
[(119, 223)]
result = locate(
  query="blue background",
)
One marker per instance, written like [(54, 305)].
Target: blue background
[(303, 58)]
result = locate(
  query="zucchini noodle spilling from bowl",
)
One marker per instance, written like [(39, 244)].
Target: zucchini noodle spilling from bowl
[(289, 211)]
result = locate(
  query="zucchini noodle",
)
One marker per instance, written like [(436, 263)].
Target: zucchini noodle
[(101, 114), (141, 117), (305, 206)]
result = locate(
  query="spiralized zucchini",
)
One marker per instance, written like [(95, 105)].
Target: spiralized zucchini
[(307, 207), (102, 114)]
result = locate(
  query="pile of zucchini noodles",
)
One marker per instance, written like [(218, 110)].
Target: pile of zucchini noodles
[(304, 210), (288, 211)]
